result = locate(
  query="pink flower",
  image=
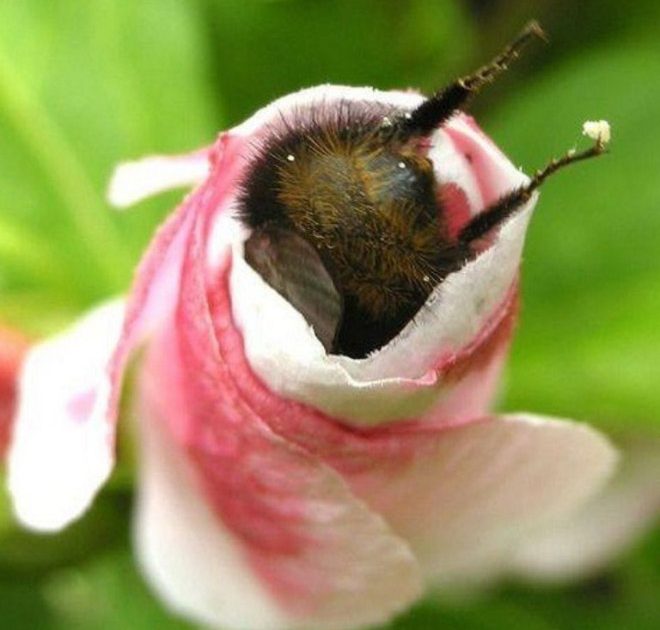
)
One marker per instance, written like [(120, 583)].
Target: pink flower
[(282, 486), (13, 347)]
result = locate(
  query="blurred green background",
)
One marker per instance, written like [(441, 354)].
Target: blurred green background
[(85, 84)]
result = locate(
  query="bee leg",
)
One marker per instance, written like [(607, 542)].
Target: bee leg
[(439, 107), (510, 203)]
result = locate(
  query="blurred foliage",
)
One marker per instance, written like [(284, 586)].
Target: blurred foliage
[(86, 84)]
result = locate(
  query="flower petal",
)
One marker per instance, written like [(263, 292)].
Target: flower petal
[(61, 450), (462, 495), (406, 377), (134, 181), (13, 348), (323, 559), (341, 564), (465, 501), (602, 529)]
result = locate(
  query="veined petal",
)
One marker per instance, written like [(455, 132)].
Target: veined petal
[(62, 446), (309, 553), (466, 501), (604, 528), (247, 532), (134, 181), (464, 496)]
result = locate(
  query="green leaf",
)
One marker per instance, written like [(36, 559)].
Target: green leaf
[(83, 86), (589, 339), (107, 593), (267, 49)]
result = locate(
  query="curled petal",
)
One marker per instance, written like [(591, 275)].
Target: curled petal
[(62, 446), (601, 530), (288, 548), (310, 554), (134, 181), (465, 499), (462, 495)]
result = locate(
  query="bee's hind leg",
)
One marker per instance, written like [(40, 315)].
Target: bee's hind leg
[(439, 107), (512, 202)]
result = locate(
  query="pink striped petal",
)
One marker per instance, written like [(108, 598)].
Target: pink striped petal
[(61, 450), (459, 493), (308, 553), (71, 384)]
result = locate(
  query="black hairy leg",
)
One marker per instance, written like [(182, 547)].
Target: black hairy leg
[(434, 111), (510, 203)]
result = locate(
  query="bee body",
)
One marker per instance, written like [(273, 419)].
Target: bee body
[(370, 210), (346, 216)]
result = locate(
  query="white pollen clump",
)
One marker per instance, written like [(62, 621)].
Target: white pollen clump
[(291, 158), (598, 130)]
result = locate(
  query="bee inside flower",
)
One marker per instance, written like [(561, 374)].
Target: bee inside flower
[(324, 326), (345, 203)]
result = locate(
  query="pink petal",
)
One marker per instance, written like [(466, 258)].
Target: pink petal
[(61, 450), (405, 378), (459, 494), (604, 528), (13, 348), (307, 551), (134, 181), (465, 500)]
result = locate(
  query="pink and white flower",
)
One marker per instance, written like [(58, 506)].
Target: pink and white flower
[(280, 486), (13, 347)]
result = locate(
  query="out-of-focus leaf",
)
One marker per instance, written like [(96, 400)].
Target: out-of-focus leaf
[(573, 27), (625, 598), (23, 606), (266, 49), (590, 341), (82, 86), (28, 554), (107, 593)]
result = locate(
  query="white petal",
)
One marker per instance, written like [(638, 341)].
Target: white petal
[(465, 502), (202, 572), (602, 529), (283, 350), (323, 94), (62, 446), (134, 181), (188, 557)]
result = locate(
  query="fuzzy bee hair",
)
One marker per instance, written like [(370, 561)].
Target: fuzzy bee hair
[(346, 217)]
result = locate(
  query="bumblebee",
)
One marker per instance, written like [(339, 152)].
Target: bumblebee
[(346, 219)]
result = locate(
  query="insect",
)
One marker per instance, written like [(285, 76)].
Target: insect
[(346, 219)]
